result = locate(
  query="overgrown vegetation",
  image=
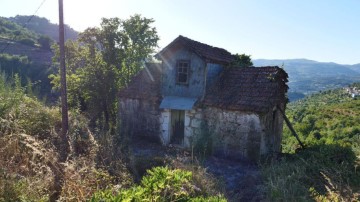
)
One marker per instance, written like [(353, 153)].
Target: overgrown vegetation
[(160, 184), (329, 117), (318, 173), (328, 123), (28, 157), (242, 60), (30, 73), (202, 143), (102, 62), (99, 64), (28, 154)]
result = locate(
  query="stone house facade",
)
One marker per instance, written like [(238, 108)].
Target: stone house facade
[(196, 93)]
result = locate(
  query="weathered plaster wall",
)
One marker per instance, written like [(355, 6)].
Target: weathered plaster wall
[(139, 118), (273, 128), (165, 126), (195, 87), (212, 73)]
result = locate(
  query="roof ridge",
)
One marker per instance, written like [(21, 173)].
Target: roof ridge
[(204, 44), (211, 53)]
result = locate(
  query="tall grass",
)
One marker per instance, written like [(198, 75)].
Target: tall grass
[(28, 150), (318, 173)]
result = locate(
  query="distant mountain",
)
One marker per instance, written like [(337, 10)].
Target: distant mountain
[(43, 26), (355, 67), (308, 76)]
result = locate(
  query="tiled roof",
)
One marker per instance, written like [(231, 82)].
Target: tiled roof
[(145, 84), (207, 52), (255, 89)]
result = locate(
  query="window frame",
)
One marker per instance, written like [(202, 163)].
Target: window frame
[(182, 71)]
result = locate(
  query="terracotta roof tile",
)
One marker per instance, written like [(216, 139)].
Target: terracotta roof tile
[(248, 89)]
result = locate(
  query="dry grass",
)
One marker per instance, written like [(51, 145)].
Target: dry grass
[(25, 170), (207, 183), (29, 154)]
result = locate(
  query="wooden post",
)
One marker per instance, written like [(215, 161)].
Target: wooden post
[(63, 147), (290, 127), (64, 107)]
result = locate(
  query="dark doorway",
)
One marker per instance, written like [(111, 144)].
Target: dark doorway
[(177, 126)]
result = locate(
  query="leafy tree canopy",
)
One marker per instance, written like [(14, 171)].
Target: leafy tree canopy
[(102, 61), (242, 60)]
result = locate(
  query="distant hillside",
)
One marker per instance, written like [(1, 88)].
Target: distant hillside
[(14, 32), (17, 40), (307, 76), (328, 117), (44, 27), (27, 54)]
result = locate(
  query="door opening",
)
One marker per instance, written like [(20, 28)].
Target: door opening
[(177, 126)]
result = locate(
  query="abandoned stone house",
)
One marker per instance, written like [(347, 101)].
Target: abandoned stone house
[(195, 92)]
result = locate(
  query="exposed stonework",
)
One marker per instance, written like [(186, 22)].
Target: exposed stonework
[(193, 121), (236, 134)]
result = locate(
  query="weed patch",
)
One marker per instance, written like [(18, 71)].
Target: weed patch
[(321, 172)]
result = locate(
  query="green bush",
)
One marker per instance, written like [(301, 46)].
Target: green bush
[(160, 184), (28, 42), (30, 72), (20, 113)]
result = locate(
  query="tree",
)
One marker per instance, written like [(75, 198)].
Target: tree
[(102, 62), (45, 42), (242, 60)]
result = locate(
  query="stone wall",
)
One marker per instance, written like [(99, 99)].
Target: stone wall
[(139, 118), (242, 135), (233, 134), (193, 126)]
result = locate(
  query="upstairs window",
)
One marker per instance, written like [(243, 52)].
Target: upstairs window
[(182, 71)]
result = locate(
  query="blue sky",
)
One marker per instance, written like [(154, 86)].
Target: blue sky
[(322, 30)]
